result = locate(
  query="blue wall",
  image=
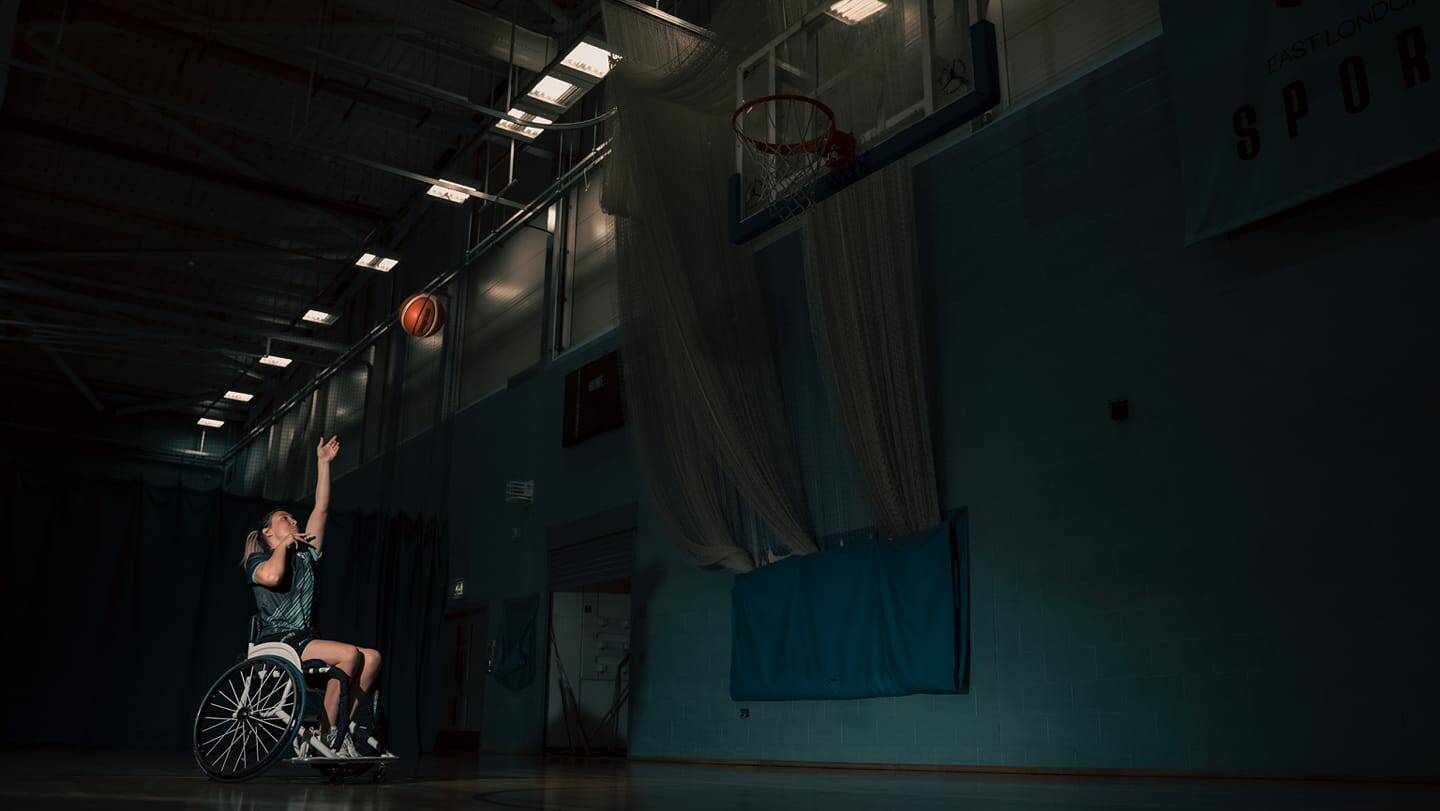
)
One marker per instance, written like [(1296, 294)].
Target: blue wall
[(1236, 579), (512, 435), (1233, 580)]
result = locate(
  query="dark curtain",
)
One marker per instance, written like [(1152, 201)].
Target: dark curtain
[(125, 601)]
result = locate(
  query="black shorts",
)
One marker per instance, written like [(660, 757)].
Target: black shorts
[(295, 639)]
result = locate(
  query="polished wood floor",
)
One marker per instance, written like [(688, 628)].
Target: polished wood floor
[(113, 780)]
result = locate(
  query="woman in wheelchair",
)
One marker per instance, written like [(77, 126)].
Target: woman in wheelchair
[(280, 562)]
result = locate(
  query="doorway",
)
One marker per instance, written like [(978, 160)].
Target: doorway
[(462, 692), (587, 704), (588, 696)]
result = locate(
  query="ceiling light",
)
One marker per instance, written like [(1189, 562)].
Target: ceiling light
[(275, 360), (553, 91), (317, 317), (209, 423), (449, 193), (529, 133), (590, 59), (381, 263), (239, 396), (853, 11)]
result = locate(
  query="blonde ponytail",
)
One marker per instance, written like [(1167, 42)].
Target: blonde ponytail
[(253, 544)]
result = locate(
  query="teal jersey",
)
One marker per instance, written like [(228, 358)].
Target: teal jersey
[(286, 607)]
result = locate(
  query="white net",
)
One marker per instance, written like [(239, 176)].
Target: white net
[(783, 138)]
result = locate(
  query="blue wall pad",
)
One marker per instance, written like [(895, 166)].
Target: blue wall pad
[(871, 618)]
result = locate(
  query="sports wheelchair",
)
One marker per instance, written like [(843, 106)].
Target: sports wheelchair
[(270, 703)]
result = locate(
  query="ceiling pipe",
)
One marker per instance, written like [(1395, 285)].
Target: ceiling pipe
[(170, 163), (92, 214), (325, 153), (489, 33), (65, 369), (242, 53)]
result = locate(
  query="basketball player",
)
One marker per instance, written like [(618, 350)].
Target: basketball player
[(280, 562)]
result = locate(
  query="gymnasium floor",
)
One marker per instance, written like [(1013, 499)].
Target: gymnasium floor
[(76, 779)]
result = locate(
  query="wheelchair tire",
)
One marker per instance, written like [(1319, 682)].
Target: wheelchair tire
[(249, 719)]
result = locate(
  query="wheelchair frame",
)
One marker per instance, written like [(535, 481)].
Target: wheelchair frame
[(267, 704)]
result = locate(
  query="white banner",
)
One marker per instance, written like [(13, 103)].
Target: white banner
[(1281, 101)]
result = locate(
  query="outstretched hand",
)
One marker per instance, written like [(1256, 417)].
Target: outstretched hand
[(327, 450)]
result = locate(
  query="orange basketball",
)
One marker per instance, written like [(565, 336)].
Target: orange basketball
[(421, 315)]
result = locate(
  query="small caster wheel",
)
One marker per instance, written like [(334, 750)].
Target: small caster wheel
[(378, 776), (336, 777)]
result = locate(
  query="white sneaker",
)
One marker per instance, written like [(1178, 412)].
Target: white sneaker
[(368, 746), (344, 750)]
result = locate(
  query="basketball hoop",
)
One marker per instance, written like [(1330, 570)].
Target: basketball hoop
[(789, 139)]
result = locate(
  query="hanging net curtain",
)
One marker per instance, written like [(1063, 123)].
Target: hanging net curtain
[(862, 278), (700, 380), (863, 287)]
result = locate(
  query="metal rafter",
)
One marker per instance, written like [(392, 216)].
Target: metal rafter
[(181, 166)]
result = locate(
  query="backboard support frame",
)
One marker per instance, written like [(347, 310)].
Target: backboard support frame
[(984, 94)]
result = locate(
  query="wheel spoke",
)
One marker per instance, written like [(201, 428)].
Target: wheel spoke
[(248, 718), (270, 733), (231, 695), (230, 730), (244, 698), (279, 684), (225, 756), (229, 734), (261, 720), (217, 723), (285, 700)]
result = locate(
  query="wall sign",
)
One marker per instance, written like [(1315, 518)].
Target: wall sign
[(1281, 101)]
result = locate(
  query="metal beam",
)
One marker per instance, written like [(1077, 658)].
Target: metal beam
[(489, 33), (204, 144), (196, 400), (555, 12), (19, 280), (170, 163), (156, 257), (9, 13), (65, 369), (105, 214), (282, 140), (261, 58)]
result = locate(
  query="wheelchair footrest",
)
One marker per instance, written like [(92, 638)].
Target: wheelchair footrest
[(340, 761)]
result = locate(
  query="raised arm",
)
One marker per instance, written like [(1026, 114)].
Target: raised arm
[(325, 453), (272, 571)]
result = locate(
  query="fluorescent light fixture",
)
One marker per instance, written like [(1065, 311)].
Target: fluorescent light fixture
[(209, 423), (275, 360), (553, 91), (853, 11), (528, 133), (589, 59), (317, 317), (449, 194), (239, 396), (384, 264)]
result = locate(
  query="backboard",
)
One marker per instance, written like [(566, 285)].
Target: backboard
[(885, 67)]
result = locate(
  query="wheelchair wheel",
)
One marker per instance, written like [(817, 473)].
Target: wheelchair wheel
[(249, 718)]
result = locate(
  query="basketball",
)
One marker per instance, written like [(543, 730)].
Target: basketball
[(421, 315)]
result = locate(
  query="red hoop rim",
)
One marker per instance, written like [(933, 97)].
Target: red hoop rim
[(816, 144)]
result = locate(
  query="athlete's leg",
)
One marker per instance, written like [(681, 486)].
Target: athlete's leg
[(343, 655)]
